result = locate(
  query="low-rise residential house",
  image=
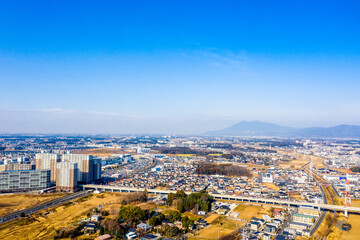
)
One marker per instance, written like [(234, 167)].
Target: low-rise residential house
[(104, 237), (95, 218), (143, 226), (269, 228), (149, 237), (267, 218), (267, 236), (130, 235), (201, 224), (91, 227), (255, 226)]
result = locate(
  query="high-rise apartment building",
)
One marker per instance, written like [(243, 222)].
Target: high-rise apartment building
[(89, 168), (48, 161), (66, 176)]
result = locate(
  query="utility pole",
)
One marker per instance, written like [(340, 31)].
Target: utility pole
[(310, 168), (242, 220), (347, 193)]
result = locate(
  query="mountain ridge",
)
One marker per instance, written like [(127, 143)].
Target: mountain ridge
[(265, 129)]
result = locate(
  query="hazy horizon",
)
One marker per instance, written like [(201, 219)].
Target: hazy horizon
[(177, 68)]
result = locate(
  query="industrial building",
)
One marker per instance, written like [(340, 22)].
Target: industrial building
[(24, 180), (16, 167)]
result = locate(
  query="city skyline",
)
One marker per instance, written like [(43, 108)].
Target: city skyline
[(135, 67)]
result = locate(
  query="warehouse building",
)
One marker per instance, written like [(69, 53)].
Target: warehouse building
[(24, 180)]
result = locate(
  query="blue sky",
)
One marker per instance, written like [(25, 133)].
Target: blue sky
[(177, 66)]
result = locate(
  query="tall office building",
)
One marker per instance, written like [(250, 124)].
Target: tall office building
[(66, 176), (24, 180), (48, 161)]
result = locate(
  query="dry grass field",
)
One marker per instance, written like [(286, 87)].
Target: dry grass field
[(301, 160), (271, 186), (211, 218), (249, 211), (354, 233), (212, 232), (221, 225), (102, 152), (62, 216), (336, 233), (14, 202)]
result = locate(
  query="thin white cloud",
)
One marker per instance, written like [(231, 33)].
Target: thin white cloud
[(102, 113), (55, 110)]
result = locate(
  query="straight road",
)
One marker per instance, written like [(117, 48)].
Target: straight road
[(45, 205)]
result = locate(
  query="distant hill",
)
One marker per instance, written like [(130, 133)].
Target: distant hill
[(257, 128)]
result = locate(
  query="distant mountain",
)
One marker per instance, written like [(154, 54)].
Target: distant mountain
[(341, 131), (257, 128)]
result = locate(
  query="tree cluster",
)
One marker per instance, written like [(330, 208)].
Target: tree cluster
[(195, 202), (135, 197), (222, 169), (170, 231), (132, 214), (68, 232), (112, 227), (355, 169)]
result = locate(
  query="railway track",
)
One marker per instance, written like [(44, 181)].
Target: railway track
[(51, 203)]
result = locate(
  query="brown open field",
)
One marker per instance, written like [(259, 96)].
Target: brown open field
[(301, 160), (221, 225), (212, 218), (355, 203), (14, 202), (212, 232), (272, 186), (61, 216), (103, 152), (354, 233), (249, 211), (336, 233)]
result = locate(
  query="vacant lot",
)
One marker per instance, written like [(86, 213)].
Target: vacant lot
[(249, 211), (213, 232), (272, 186), (13, 202), (221, 225), (62, 216), (354, 233), (101, 152), (336, 233), (301, 159)]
